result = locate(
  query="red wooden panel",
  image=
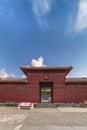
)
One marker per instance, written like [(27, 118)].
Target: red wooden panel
[(81, 94), (35, 77), (2, 95), (21, 92), (10, 94), (28, 93), (7, 92), (83, 86), (70, 93), (57, 77), (32, 95), (58, 85), (58, 95), (33, 85)]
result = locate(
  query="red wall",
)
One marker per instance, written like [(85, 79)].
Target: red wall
[(81, 92), (70, 93), (18, 93), (62, 92), (40, 77)]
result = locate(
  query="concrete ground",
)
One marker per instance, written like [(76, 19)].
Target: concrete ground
[(62, 118)]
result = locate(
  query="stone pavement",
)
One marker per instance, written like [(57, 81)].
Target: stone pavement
[(26, 127), (11, 118), (53, 128)]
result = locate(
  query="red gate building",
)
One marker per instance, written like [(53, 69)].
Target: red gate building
[(44, 84)]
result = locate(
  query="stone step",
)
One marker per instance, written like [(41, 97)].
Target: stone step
[(9, 104), (45, 105)]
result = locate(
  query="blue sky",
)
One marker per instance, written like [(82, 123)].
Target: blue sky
[(56, 30)]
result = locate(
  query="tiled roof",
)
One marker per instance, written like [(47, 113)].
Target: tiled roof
[(47, 68), (30, 69), (12, 80), (76, 80)]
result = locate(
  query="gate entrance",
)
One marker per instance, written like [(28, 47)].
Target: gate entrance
[(46, 92)]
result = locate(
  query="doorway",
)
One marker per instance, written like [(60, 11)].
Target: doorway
[(46, 92)]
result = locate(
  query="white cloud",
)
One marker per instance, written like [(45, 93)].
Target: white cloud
[(81, 19), (12, 75), (4, 74), (23, 76), (38, 62), (41, 8), (35, 63)]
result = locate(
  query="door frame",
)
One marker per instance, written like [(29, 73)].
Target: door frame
[(46, 84)]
